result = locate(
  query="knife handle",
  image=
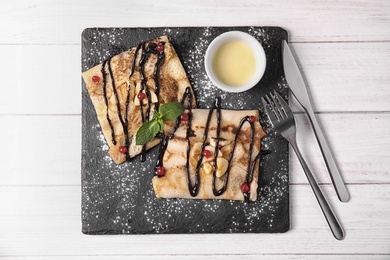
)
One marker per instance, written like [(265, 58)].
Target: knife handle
[(335, 175)]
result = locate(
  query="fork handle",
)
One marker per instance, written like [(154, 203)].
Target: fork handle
[(337, 180), (332, 220)]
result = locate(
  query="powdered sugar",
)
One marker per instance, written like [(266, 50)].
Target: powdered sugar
[(120, 198)]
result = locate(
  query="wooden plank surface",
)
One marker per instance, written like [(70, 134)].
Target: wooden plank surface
[(47, 22), (343, 50), (206, 257), (48, 86)]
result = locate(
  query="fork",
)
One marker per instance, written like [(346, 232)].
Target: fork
[(282, 118)]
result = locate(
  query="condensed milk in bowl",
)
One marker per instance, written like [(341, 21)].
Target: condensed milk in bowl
[(235, 61)]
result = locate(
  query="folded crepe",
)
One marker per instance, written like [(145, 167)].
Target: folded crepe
[(214, 154), (127, 88)]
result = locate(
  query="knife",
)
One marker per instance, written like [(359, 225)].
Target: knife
[(299, 90)]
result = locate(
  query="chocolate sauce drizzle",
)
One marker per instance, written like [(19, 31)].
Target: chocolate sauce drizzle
[(123, 121), (126, 123), (194, 187), (134, 60), (250, 171), (103, 71), (159, 63), (164, 139), (146, 51)]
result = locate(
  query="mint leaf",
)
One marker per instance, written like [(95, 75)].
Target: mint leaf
[(171, 110), (148, 131)]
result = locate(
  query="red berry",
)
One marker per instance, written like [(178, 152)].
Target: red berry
[(245, 187), (161, 171), (184, 117), (160, 47), (141, 96), (252, 119), (95, 79), (206, 154), (123, 149)]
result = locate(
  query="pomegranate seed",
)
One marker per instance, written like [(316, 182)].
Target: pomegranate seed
[(122, 149), (252, 119), (206, 154), (141, 96), (245, 187), (160, 47), (95, 79), (184, 117), (161, 171)]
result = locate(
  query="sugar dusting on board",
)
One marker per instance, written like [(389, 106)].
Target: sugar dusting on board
[(120, 198)]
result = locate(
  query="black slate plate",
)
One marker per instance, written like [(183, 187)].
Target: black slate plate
[(119, 199)]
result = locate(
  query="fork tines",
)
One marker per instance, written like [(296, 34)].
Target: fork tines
[(276, 107)]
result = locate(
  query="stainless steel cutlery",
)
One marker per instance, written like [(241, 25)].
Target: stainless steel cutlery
[(282, 118)]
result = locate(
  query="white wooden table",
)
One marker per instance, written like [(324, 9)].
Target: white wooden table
[(343, 49)]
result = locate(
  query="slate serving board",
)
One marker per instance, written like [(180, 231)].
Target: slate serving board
[(119, 199)]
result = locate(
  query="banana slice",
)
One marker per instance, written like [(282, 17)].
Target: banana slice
[(208, 168), (222, 166), (153, 96)]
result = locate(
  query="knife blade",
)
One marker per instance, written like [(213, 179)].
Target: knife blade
[(299, 90)]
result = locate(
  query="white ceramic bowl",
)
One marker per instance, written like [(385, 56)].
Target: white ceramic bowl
[(258, 52)]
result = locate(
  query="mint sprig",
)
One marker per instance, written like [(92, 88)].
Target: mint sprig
[(151, 128)]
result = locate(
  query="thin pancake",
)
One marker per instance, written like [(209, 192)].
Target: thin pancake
[(124, 78), (175, 182)]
